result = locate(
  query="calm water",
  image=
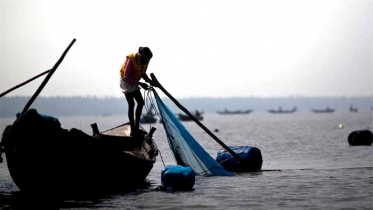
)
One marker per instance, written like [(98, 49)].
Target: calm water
[(319, 170)]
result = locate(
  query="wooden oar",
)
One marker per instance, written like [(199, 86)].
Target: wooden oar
[(158, 85), (24, 83)]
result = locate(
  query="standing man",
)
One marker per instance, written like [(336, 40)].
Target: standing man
[(133, 69)]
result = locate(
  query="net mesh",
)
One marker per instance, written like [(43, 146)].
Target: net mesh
[(187, 151)]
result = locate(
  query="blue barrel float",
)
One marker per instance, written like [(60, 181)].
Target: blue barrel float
[(177, 178), (251, 155), (360, 137)]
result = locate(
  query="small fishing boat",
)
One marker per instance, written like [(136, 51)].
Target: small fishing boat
[(197, 115), (146, 118), (42, 156), (327, 110), (149, 116), (227, 112), (281, 111), (353, 109)]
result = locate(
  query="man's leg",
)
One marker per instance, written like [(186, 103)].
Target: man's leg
[(131, 107), (140, 104)]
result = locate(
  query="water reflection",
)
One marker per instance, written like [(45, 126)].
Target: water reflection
[(50, 200)]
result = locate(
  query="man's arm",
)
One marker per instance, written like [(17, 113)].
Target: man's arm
[(148, 80)]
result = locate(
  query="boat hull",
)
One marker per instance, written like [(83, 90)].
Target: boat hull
[(42, 156)]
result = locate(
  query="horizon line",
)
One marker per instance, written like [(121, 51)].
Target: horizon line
[(198, 97)]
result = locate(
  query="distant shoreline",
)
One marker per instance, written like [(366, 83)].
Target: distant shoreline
[(91, 105)]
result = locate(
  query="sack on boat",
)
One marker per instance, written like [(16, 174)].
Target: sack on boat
[(251, 155), (177, 178), (48, 118)]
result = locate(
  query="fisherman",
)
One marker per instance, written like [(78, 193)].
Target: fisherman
[(133, 69)]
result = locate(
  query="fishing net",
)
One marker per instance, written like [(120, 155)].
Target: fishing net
[(187, 151)]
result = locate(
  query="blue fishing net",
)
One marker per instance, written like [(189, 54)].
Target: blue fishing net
[(187, 151)]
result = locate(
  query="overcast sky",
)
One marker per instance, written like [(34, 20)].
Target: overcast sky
[(201, 48)]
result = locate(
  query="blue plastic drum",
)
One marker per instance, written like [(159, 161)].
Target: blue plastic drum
[(251, 155), (177, 178), (360, 137)]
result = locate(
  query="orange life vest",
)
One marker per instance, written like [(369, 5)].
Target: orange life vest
[(138, 68)]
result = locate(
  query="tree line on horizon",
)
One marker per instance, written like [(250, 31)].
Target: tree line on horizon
[(79, 105)]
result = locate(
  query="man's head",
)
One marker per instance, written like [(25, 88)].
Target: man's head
[(145, 54)]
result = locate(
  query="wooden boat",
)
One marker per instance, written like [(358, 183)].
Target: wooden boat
[(327, 110), (235, 112), (197, 115), (42, 156), (281, 111)]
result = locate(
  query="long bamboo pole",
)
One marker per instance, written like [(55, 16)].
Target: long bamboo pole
[(24, 83), (158, 85), (5, 137), (36, 94)]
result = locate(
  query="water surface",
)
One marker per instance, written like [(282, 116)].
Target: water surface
[(317, 167)]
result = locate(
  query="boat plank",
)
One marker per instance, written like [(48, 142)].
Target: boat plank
[(123, 130)]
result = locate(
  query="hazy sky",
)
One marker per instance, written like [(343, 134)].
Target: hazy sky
[(201, 48)]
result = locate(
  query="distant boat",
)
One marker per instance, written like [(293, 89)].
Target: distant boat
[(235, 112), (197, 115), (353, 109), (281, 111), (149, 116), (327, 110)]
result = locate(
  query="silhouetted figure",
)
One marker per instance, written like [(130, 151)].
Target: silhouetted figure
[(133, 69)]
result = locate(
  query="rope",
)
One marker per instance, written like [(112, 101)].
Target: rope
[(161, 156), (164, 121), (148, 99)]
